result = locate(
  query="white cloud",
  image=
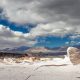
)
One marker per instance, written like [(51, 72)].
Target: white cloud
[(72, 43), (56, 29), (76, 36), (54, 17), (9, 38), (42, 11), (21, 11)]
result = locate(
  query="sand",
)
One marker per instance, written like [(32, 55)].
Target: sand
[(42, 70)]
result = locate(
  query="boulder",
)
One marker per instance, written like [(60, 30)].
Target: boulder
[(74, 55)]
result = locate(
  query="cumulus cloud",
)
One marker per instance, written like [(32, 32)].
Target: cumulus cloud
[(72, 43), (66, 10), (42, 11), (53, 17), (77, 36), (59, 29), (20, 11), (25, 11), (9, 38)]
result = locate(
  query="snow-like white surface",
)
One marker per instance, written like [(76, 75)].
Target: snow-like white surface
[(38, 70)]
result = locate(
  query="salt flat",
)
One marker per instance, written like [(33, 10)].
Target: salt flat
[(39, 71)]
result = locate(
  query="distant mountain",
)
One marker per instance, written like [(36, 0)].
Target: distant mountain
[(62, 48), (38, 49), (21, 48), (6, 49), (16, 49), (35, 49), (44, 51)]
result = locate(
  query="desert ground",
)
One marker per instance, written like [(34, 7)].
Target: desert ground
[(49, 70), (67, 68)]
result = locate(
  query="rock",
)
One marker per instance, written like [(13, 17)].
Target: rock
[(74, 55)]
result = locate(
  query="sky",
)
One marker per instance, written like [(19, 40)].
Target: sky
[(39, 23)]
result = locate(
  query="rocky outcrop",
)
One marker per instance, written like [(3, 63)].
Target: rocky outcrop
[(74, 55)]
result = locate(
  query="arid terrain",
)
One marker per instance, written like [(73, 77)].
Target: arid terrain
[(31, 68), (57, 69)]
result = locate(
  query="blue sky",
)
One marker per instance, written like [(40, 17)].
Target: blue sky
[(25, 28), (42, 41), (46, 23), (50, 41)]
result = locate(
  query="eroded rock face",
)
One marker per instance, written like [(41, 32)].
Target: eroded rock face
[(74, 55)]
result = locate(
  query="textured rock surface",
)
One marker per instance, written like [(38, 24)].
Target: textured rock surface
[(74, 55)]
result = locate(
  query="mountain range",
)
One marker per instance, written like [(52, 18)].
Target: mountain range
[(36, 49)]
